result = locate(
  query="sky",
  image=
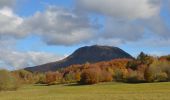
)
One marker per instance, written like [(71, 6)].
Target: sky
[(35, 32)]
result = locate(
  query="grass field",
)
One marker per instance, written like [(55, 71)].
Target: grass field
[(104, 91)]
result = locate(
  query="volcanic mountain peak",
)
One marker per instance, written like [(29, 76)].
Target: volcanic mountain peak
[(91, 54)]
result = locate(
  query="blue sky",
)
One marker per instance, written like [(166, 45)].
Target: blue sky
[(39, 31), (29, 7)]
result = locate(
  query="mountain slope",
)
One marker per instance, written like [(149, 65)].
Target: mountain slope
[(91, 54)]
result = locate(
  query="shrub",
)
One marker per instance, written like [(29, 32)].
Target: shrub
[(132, 77), (50, 78), (167, 58), (24, 76), (159, 71), (69, 77), (118, 75), (41, 78), (135, 77), (110, 70), (77, 76), (161, 77), (7, 81), (166, 68), (132, 65), (106, 76), (90, 76)]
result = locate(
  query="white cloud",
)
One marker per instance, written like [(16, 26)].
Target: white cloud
[(17, 60), (127, 20), (11, 24), (123, 30), (4, 3), (109, 42), (56, 26), (60, 26), (126, 9), (156, 42), (167, 4), (157, 25)]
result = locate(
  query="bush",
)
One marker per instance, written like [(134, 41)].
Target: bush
[(41, 79), (69, 77), (132, 77), (161, 77), (90, 76), (133, 64), (135, 77), (77, 76), (106, 76), (24, 76), (50, 78), (118, 75), (7, 81), (159, 71)]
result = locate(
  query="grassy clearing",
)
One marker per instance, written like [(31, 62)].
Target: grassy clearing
[(104, 91)]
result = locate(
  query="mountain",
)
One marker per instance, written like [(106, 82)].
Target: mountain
[(91, 54)]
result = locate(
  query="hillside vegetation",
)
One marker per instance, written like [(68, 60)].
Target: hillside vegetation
[(143, 69)]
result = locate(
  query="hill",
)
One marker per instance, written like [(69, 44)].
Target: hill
[(91, 54)]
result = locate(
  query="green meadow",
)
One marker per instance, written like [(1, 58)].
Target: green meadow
[(103, 91)]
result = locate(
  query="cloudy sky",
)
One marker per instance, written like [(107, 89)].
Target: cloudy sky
[(34, 32)]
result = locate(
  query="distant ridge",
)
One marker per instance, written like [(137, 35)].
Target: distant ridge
[(91, 54)]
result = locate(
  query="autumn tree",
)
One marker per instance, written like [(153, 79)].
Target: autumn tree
[(25, 77), (69, 77), (105, 76), (50, 78), (90, 76), (118, 75), (7, 81), (77, 76), (145, 59), (159, 71)]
